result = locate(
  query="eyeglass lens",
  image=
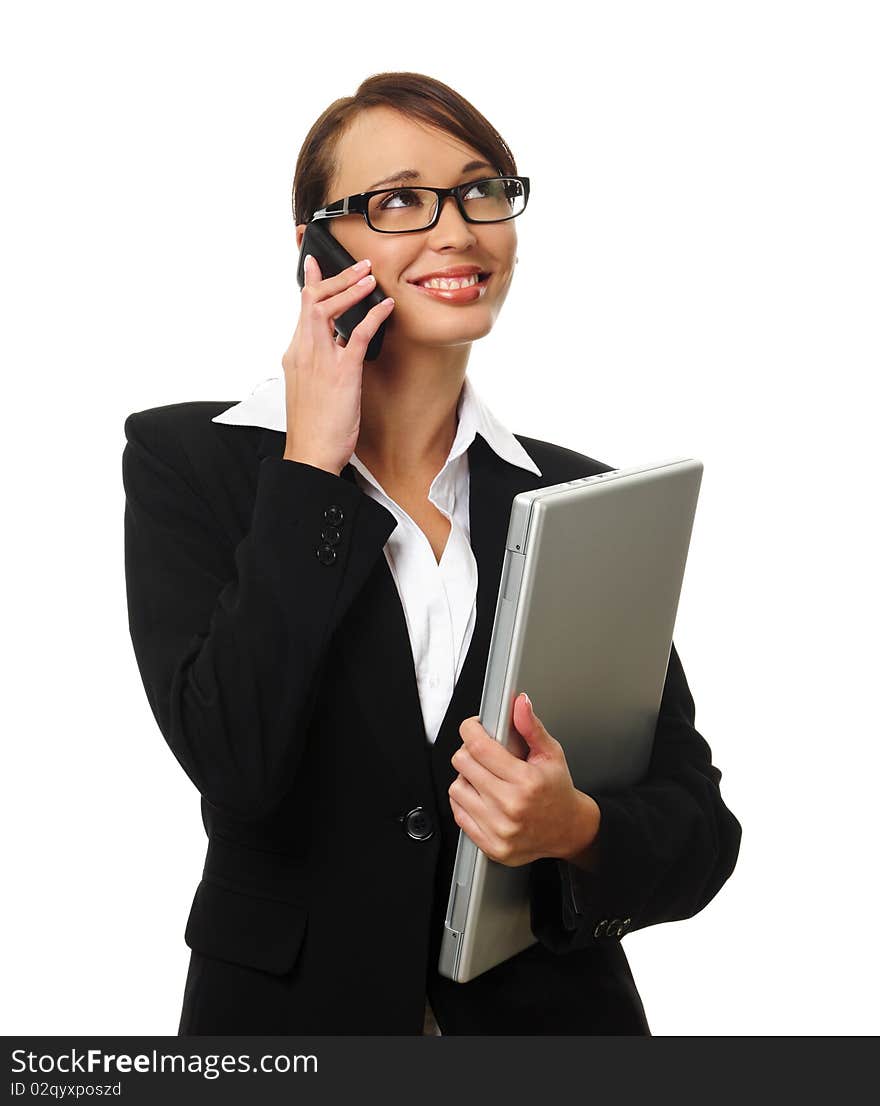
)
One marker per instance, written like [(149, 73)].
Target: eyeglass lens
[(486, 201)]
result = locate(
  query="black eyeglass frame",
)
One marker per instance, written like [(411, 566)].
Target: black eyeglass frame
[(358, 204)]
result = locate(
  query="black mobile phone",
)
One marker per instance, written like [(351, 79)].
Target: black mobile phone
[(333, 258)]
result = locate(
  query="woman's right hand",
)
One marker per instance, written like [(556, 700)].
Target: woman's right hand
[(323, 376)]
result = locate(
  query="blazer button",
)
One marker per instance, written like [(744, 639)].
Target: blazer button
[(334, 514), (326, 554), (599, 931), (331, 534), (418, 824)]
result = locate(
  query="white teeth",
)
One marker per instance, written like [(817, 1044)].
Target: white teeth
[(439, 282)]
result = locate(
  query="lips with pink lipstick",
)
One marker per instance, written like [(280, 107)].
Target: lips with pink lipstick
[(471, 282)]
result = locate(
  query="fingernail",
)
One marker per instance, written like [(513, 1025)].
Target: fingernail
[(306, 262), (528, 700), (365, 264)]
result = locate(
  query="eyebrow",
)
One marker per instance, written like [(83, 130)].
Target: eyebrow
[(414, 174)]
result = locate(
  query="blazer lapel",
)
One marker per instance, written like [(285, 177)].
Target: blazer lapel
[(375, 646)]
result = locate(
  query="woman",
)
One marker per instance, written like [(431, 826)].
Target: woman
[(323, 697)]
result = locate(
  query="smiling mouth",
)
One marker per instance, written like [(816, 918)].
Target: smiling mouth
[(481, 279), (468, 293)]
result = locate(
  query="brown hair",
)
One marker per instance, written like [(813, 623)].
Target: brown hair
[(412, 94)]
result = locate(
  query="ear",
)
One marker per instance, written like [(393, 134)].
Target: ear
[(300, 231)]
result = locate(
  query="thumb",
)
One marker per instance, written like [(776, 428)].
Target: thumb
[(529, 725)]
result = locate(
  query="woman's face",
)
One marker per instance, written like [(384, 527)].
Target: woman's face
[(382, 142)]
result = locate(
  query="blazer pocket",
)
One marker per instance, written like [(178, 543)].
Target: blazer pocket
[(245, 928)]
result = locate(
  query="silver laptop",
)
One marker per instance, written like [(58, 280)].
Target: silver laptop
[(586, 608)]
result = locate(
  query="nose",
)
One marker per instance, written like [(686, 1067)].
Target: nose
[(445, 203)]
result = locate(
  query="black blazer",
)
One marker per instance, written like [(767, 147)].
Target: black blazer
[(275, 656)]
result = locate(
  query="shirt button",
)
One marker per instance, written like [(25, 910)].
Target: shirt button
[(334, 514), (326, 554), (331, 534)]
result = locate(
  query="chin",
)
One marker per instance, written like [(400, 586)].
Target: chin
[(443, 335)]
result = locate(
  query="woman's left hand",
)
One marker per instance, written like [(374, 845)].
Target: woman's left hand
[(519, 810)]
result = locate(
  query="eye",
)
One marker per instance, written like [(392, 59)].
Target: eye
[(484, 189), (410, 194)]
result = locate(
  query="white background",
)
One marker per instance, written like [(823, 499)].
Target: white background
[(698, 276)]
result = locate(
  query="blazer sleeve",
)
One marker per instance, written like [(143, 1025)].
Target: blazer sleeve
[(665, 846), (230, 639)]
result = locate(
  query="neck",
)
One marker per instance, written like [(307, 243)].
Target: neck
[(408, 413)]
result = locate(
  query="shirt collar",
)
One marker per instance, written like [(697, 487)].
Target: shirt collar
[(265, 407)]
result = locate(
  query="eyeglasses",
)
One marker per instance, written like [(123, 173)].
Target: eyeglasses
[(403, 210)]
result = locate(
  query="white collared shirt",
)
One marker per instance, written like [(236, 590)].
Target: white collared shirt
[(439, 600)]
